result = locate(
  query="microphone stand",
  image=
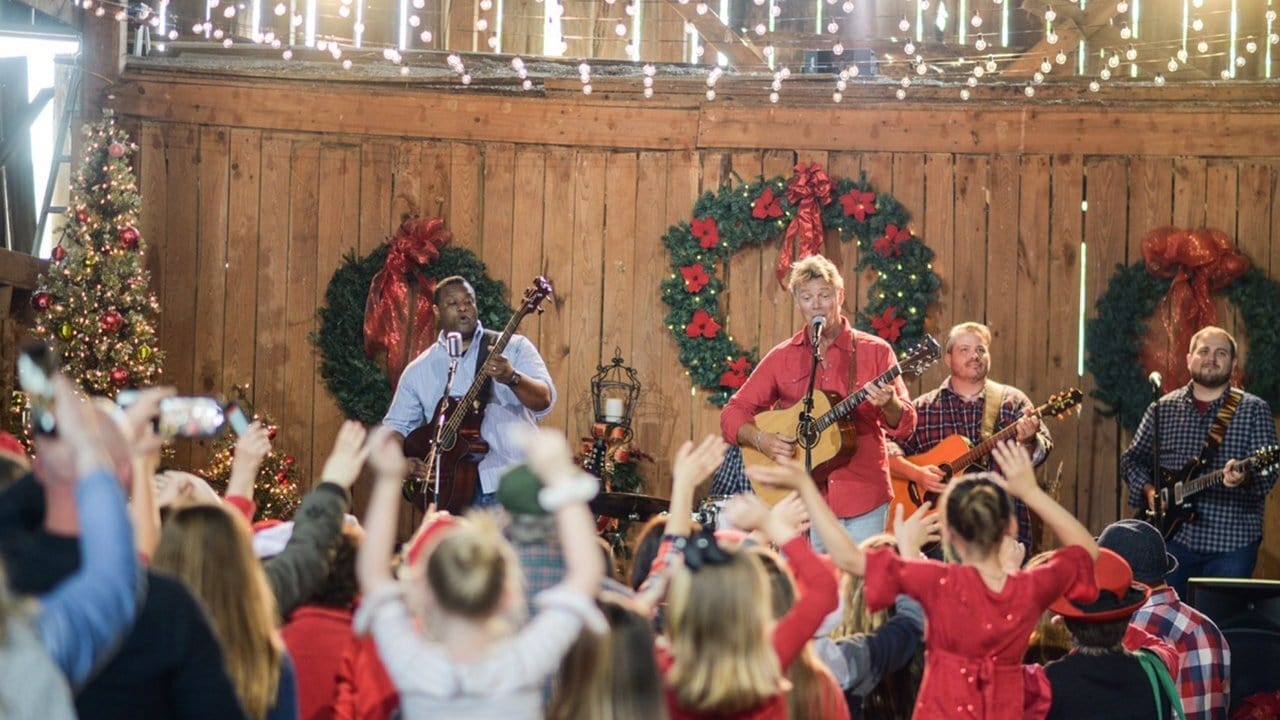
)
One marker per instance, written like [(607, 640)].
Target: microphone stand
[(440, 423), (805, 436), (1156, 472)]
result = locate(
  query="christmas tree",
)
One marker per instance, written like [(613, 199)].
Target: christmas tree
[(94, 304), (275, 486)]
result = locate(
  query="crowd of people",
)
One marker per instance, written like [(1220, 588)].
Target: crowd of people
[(131, 592)]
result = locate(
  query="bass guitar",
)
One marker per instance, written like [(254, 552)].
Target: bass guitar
[(1177, 490), (829, 431), (452, 452), (956, 452)]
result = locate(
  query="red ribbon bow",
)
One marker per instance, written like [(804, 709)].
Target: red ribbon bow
[(399, 322), (809, 190), (1199, 261)]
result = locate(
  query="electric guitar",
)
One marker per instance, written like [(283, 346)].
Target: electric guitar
[(457, 455), (829, 432), (1175, 493), (956, 452)]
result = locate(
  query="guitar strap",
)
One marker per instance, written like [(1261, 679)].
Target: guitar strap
[(992, 394), (488, 337), (1218, 430)]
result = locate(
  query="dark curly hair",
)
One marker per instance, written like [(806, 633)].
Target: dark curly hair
[(340, 588)]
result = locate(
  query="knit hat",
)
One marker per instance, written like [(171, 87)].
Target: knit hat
[(518, 491), (1118, 595), (1142, 546)]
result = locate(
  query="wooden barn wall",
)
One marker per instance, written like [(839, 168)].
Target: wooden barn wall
[(247, 224)]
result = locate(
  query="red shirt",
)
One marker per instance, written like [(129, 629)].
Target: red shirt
[(781, 378), (316, 638)]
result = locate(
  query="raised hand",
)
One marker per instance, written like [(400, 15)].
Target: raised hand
[(78, 424), (791, 512), (1015, 464), (548, 454), (747, 512), (912, 532), (693, 464), (789, 474), (342, 467), (385, 455)]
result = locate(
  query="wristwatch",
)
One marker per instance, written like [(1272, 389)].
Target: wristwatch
[(515, 379)]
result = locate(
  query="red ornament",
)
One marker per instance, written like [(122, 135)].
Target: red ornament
[(707, 232), (622, 455), (289, 460), (129, 237), (82, 216), (111, 321), (271, 432), (702, 325), (115, 150), (119, 376), (59, 253), (282, 477), (41, 300)]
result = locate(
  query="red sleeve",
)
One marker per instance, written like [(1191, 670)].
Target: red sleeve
[(243, 505), (660, 562), (816, 599), (756, 395), (888, 575), (1135, 638), (1069, 572)]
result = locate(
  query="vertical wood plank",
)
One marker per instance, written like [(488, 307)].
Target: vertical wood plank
[(972, 189), (1031, 359), (1001, 291), (1189, 192), (527, 242), (1104, 226), (240, 330), (940, 192), (152, 215), (435, 180), (649, 334), (300, 293), (557, 233), (1221, 209), (465, 169), (406, 182), (496, 203), (269, 369), (338, 234), (211, 273), (682, 189), (620, 291), (741, 301), (908, 188), (376, 163), (1065, 233), (776, 305), (587, 290)]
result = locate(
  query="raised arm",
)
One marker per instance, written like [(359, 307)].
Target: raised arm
[(373, 561), (1020, 481), (792, 475)]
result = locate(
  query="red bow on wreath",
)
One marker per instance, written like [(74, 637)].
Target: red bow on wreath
[(890, 243), (1200, 262), (702, 325), (809, 190), (399, 322)]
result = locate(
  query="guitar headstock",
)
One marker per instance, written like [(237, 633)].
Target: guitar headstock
[(1062, 402), (920, 356), (1264, 460), (537, 292)]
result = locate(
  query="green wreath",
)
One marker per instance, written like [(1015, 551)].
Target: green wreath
[(1114, 338), (359, 384), (747, 215)]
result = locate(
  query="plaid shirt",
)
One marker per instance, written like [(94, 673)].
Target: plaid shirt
[(1204, 675), (731, 477), (1229, 518), (942, 413)]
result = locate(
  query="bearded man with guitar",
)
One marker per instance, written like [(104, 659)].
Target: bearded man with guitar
[(507, 386), (856, 484), (1205, 427), (973, 407)]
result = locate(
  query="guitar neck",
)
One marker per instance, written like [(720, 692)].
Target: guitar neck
[(846, 406), (1204, 482), (984, 448), (455, 420)]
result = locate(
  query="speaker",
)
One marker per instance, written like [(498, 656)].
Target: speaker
[(1248, 614)]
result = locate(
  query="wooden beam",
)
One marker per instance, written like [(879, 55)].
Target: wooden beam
[(20, 270), (1096, 17), (742, 54)]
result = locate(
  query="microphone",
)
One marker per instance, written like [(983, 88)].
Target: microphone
[(1156, 380), (453, 344), (819, 322)]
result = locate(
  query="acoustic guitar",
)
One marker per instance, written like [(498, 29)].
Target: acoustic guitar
[(829, 432), (956, 452), (457, 455), (1176, 490)]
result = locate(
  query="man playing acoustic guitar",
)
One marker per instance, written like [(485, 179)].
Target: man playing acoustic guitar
[(856, 487), (970, 405), (521, 393), (1222, 541)]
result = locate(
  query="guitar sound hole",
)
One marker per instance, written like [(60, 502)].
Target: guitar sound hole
[(807, 435)]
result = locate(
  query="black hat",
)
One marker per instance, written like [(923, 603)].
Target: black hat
[(1142, 546)]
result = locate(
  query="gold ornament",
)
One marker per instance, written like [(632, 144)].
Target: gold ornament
[(90, 259), (66, 331), (144, 353)]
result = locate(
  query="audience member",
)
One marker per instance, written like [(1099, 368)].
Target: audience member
[(612, 675)]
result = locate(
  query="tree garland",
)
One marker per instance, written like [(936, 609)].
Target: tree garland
[(748, 214), (358, 383), (1114, 338)]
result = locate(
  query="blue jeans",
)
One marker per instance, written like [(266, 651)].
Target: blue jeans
[(1236, 563), (859, 527), (482, 499)]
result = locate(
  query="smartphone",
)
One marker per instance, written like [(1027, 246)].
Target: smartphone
[(37, 364), (191, 417)]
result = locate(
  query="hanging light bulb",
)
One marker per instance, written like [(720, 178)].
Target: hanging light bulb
[(1131, 53), (1045, 66), (980, 44), (1050, 15), (976, 20), (1159, 79), (964, 93), (1122, 7), (1125, 33), (1060, 58), (1094, 86), (1182, 55), (1197, 24), (909, 48), (1202, 47), (1173, 65), (1105, 73), (904, 24), (1251, 47)]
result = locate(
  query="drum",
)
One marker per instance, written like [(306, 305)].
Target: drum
[(708, 512)]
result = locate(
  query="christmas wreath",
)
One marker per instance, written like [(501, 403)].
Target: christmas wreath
[(378, 313), (1174, 283), (800, 209)]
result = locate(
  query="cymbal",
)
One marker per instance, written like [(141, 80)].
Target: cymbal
[(628, 505)]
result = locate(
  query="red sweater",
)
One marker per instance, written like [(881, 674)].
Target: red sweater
[(816, 599), (317, 637)]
